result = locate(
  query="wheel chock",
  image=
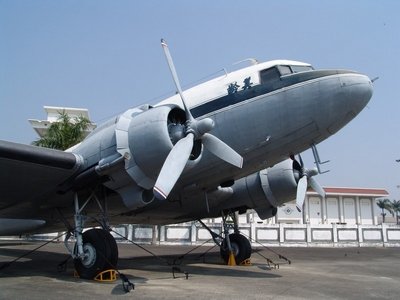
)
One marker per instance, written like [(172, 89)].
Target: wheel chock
[(246, 262), (106, 276), (231, 260)]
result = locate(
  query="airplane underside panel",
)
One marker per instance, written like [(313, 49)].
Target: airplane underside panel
[(262, 191)]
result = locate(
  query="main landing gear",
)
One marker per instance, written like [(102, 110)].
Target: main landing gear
[(240, 248), (100, 253), (95, 250), (235, 248)]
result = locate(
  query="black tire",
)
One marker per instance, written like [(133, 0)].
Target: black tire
[(241, 248), (112, 250), (102, 250)]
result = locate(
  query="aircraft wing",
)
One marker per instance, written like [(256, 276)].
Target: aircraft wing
[(27, 172)]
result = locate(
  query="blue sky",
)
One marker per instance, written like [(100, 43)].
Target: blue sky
[(106, 56)]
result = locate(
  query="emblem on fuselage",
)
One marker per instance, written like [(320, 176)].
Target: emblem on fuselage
[(233, 87)]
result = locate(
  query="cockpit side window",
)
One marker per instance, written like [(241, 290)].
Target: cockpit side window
[(284, 70), (270, 75)]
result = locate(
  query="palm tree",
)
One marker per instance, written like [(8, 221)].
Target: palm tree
[(64, 133), (384, 204), (396, 209)]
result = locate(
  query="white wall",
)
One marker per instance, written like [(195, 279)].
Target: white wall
[(282, 235)]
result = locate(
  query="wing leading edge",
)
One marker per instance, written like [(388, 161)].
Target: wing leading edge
[(28, 172)]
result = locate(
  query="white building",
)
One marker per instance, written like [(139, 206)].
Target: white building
[(53, 113), (342, 205)]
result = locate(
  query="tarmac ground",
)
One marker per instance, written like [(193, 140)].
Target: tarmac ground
[(314, 273)]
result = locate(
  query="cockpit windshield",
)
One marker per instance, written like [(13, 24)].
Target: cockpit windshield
[(286, 70), (298, 69), (274, 74)]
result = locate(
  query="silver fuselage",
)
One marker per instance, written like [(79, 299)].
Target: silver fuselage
[(263, 122)]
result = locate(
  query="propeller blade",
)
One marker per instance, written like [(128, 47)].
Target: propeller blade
[(296, 165), (173, 167), (301, 161), (175, 77), (301, 192), (195, 129), (317, 187), (222, 150)]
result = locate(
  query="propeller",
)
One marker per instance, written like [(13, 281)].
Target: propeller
[(194, 130), (306, 179)]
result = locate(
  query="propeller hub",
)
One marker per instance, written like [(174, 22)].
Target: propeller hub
[(199, 127), (311, 172), (304, 179), (204, 126)]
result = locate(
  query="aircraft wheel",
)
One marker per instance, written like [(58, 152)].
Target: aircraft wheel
[(112, 250), (101, 253), (241, 248)]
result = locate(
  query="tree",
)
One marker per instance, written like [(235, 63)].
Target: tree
[(384, 204), (396, 209), (64, 133)]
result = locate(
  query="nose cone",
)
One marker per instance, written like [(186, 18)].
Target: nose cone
[(350, 96), (357, 90)]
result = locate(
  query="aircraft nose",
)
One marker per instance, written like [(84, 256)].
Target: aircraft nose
[(357, 89), (352, 95)]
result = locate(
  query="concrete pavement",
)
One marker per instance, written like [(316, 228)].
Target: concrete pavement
[(315, 273)]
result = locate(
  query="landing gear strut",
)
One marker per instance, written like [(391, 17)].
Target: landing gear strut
[(95, 250)]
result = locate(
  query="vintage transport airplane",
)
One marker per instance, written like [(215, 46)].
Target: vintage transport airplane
[(171, 162)]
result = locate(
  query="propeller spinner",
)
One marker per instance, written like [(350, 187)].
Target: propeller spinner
[(306, 179), (194, 130)]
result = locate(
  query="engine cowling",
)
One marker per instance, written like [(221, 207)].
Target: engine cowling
[(279, 183), (149, 140), (144, 137), (264, 191)]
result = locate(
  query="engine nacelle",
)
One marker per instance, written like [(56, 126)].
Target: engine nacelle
[(149, 140), (266, 190), (129, 151), (279, 183), (144, 137)]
